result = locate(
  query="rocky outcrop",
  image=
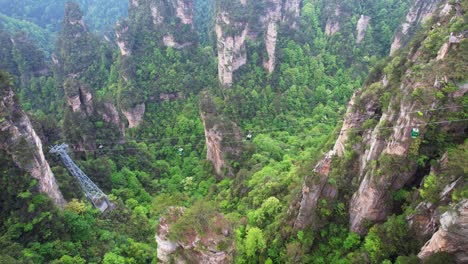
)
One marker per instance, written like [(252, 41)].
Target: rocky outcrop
[(453, 41), (184, 11), (169, 19), (78, 96), (273, 16), (222, 137), (19, 139), (317, 186), (135, 115), (451, 236), (291, 12), (382, 160), (213, 246), (216, 130), (169, 41), (361, 28), (122, 38), (333, 22), (231, 35), (233, 27), (419, 12)]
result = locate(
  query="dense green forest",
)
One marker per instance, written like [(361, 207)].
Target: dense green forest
[(79, 88), (41, 19)]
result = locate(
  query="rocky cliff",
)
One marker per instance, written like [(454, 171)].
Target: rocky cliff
[(451, 236), (222, 138), (361, 27), (79, 97), (214, 245), (238, 21), (19, 139), (231, 32), (171, 21), (167, 24), (419, 12), (375, 153)]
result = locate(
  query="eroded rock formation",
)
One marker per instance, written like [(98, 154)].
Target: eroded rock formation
[(212, 247), (78, 96), (382, 160), (222, 137), (451, 236), (361, 27), (135, 115), (19, 139), (231, 35), (234, 27), (419, 12)]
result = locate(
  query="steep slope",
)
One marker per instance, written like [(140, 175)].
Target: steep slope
[(377, 152), (419, 12), (20, 140), (239, 21)]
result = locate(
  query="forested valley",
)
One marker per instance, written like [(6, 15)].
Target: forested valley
[(234, 131)]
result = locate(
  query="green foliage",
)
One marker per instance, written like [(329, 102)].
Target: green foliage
[(389, 239), (254, 242)]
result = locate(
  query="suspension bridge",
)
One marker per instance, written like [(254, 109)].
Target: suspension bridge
[(97, 197)]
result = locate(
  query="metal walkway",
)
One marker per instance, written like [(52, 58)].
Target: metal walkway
[(97, 197)]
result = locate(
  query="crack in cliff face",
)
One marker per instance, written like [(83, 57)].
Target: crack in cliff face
[(21, 142)]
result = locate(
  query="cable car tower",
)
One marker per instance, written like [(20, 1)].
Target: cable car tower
[(97, 197)]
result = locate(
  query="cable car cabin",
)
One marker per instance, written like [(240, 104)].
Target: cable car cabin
[(180, 151), (415, 133), (249, 137)]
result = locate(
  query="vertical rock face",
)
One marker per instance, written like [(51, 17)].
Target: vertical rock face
[(451, 236), (419, 12), (135, 115), (231, 33), (238, 21), (333, 23), (122, 31), (184, 11), (291, 11), (273, 16), (169, 19), (219, 134), (19, 139), (79, 97), (361, 28), (212, 247), (383, 159), (215, 130)]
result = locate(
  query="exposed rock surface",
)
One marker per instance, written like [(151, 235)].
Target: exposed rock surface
[(135, 115), (233, 27), (451, 236), (444, 50), (273, 16), (194, 247), (291, 11), (333, 22), (382, 160), (184, 11), (19, 139), (79, 97), (168, 17), (361, 27), (222, 137), (231, 36), (419, 12), (121, 34)]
